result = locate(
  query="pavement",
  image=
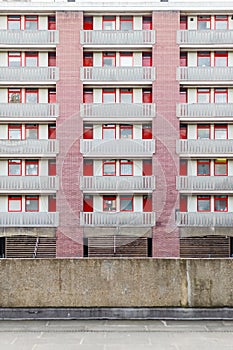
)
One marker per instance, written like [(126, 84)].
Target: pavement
[(116, 335)]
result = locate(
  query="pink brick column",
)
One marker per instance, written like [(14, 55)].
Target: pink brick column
[(166, 131), (69, 132)]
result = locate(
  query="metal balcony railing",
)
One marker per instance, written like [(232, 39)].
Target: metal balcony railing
[(30, 147), (203, 146), (36, 219), (203, 74), (28, 37), (117, 37), (117, 148), (205, 37), (117, 183), (204, 110), (117, 219), (110, 74), (29, 110), (205, 219), (204, 183), (28, 183), (29, 74)]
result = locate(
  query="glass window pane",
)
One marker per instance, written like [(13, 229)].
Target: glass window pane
[(126, 168), (32, 203), (31, 168), (15, 134), (203, 133), (203, 168), (220, 203), (15, 203), (203, 203), (221, 169), (109, 203), (15, 167), (220, 134), (126, 204)]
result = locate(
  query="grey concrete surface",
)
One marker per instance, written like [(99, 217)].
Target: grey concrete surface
[(116, 335)]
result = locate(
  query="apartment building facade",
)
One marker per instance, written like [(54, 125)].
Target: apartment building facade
[(116, 129)]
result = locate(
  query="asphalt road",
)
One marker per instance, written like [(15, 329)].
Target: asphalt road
[(116, 335)]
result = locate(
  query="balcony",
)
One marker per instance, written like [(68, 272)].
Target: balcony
[(117, 74), (117, 148), (205, 147), (205, 75), (24, 148), (136, 219), (117, 37), (117, 111), (33, 75), (204, 183), (205, 219), (28, 183), (195, 111), (36, 219), (19, 38), (117, 183), (205, 37), (25, 111)]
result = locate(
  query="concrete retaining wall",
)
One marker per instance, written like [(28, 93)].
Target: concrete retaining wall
[(116, 283)]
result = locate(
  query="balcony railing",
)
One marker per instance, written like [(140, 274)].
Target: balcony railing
[(28, 147), (205, 219), (117, 148), (28, 37), (204, 183), (117, 37), (203, 74), (28, 183), (117, 110), (37, 219), (204, 146), (205, 37), (29, 74), (204, 110), (117, 183), (111, 74), (29, 110), (117, 219)]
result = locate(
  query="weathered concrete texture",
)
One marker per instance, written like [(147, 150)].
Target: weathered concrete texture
[(28, 231), (116, 283)]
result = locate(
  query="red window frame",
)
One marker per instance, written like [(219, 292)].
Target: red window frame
[(126, 54), (111, 55), (126, 91), (125, 19), (52, 131), (204, 54), (32, 198), (32, 54), (107, 206), (87, 59), (88, 96), (108, 127), (204, 18), (31, 19), (202, 198), (32, 127), (219, 19), (183, 23), (52, 59), (111, 19), (51, 23), (32, 162), (147, 59), (14, 126), (221, 198), (203, 162), (146, 95), (52, 167), (223, 54), (17, 54), (109, 91), (126, 162), (14, 18), (146, 23), (88, 131), (183, 167), (220, 161), (203, 92), (88, 23), (11, 93), (220, 126), (109, 162), (52, 97), (183, 96), (125, 127), (183, 59), (52, 203), (147, 133), (31, 91), (14, 198), (14, 162), (203, 126), (126, 198), (221, 91)]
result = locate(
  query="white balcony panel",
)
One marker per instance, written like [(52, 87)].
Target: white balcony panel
[(205, 219), (29, 110), (28, 183), (204, 110), (117, 74), (28, 37), (205, 37), (118, 110), (28, 147), (29, 74), (117, 37), (117, 148), (205, 74), (118, 183), (117, 219), (204, 183), (204, 147), (36, 219)]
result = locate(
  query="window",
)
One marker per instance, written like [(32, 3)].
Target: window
[(88, 131), (14, 95), (146, 23), (203, 167), (146, 95), (109, 95), (203, 59), (52, 203), (220, 167), (220, 203), (203, 131), (88, 96), (87, 59), (126, 203), (146, 59), (147, 131), (31, 95), (14, 132), (109, 22), (88, 23), (109, 59), (14, 59), (221, 59), (31, 131), (109, 167), (183, 23), (126, 131), (14, 203), (51, 23), (52, 167), (52, 96), (221, 22), (203, 203), (203, 22), (203, 95), (108, 131), (52, 131), (126, 22), (220, 95), (221, 132), (14, 167), (183, 131), (126, 59), (126, 167), (14, 22), (126, 95), (31, 22), (31, 59), (31, 203), (109, 203), (31, 167), (183, 59)]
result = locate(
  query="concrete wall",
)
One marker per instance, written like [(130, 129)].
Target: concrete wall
[(116, 283)]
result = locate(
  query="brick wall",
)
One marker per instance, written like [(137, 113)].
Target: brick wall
[(166, 127)]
